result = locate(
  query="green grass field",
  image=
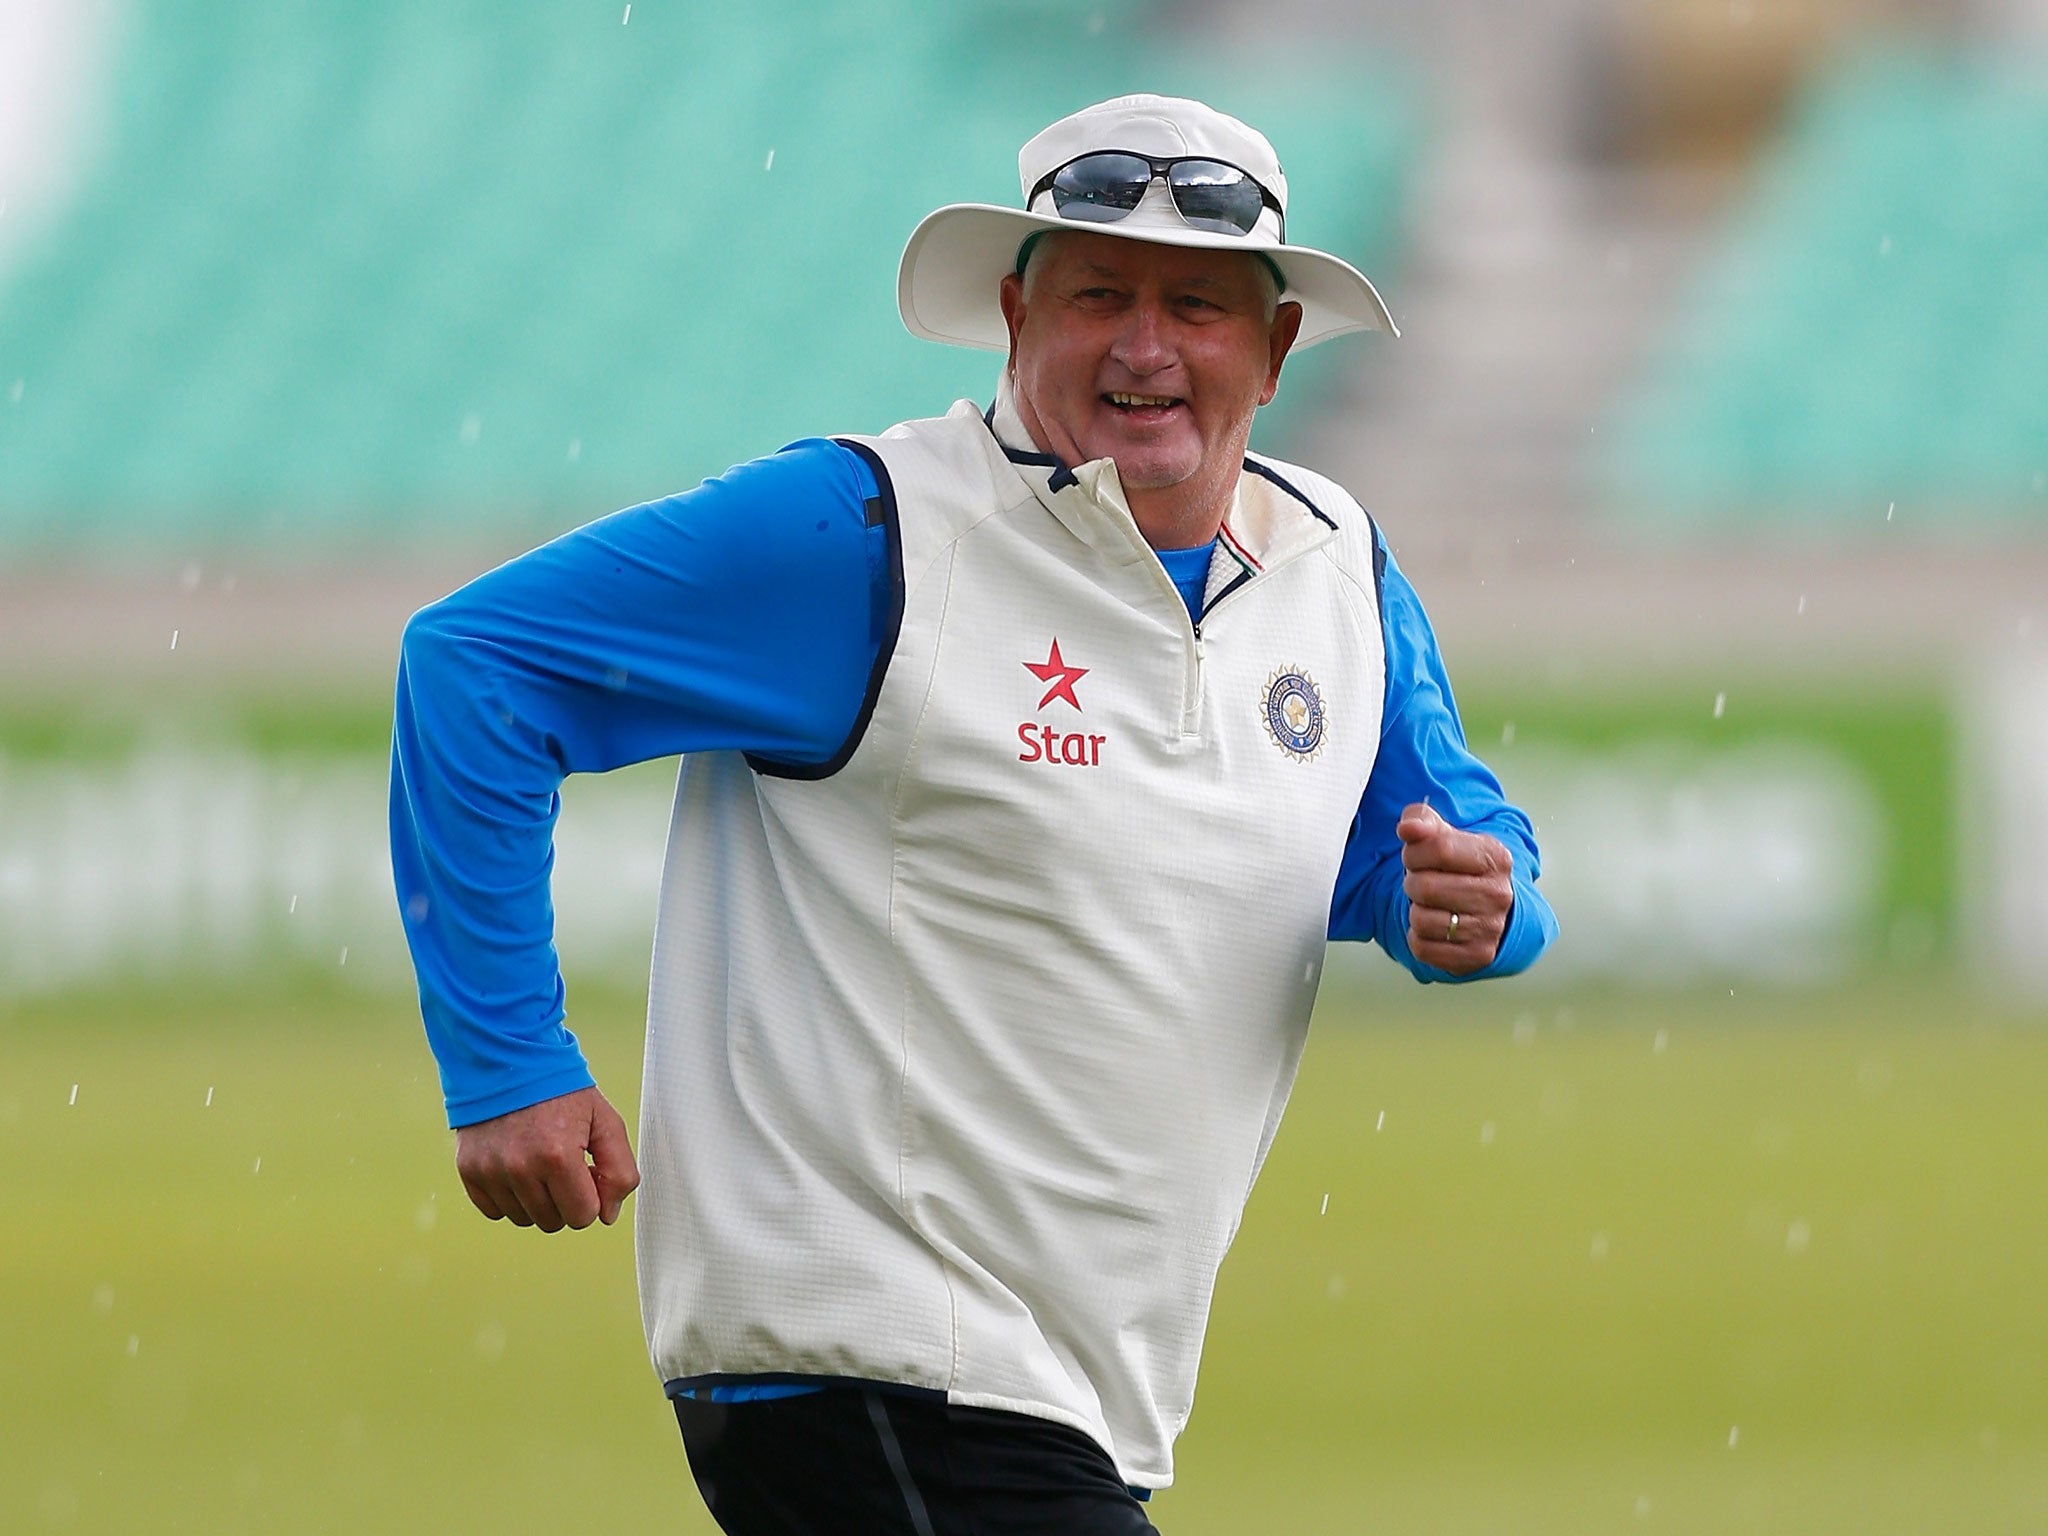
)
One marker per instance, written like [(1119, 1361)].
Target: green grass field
[(1726, 1264)]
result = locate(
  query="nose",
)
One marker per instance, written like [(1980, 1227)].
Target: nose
[(1143, 345)]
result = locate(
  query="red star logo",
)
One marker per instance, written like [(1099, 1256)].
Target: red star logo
[(1058, 676)]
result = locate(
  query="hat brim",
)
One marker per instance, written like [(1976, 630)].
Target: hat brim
[(946, 284)]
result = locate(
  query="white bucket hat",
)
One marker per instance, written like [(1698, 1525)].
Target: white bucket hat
[(958, 256)]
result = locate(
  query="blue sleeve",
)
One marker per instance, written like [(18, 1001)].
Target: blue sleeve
[(746, 614), (1423, 758)]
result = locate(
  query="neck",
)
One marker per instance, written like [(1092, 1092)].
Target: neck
[(1182, 516)]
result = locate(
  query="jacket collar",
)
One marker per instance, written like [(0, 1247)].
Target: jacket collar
[(1269, 522)]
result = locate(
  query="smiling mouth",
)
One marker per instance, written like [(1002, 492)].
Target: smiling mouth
[(1124, 401)]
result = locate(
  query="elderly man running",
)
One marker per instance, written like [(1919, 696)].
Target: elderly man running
[(1030, 756)]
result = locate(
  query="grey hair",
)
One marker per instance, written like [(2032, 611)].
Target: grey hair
[(1270, 280)]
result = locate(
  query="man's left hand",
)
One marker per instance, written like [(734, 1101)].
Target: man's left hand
[(1460, 890)]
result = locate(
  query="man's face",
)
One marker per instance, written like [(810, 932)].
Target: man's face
[(1155, 356)]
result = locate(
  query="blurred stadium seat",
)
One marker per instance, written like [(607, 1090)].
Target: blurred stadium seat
[(1866, 342), (345, 276), (1704, 81)]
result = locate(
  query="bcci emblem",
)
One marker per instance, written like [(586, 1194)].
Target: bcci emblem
[(1294, 713)]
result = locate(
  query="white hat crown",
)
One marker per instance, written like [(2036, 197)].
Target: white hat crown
[(1162, 127)]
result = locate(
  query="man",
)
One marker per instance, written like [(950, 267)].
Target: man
[(1031, 755)]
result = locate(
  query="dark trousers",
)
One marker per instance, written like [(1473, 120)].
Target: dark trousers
[(850, 1461)]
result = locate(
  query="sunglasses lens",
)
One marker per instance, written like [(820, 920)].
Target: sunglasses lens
[(1214, 196), (1100, 189)]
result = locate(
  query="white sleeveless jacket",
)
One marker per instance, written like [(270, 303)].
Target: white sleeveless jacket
[(963, 1051)]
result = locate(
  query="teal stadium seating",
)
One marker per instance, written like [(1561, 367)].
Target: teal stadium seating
[(1871, 338), (345, 276)]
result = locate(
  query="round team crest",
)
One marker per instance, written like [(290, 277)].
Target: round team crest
[(1294, 713)]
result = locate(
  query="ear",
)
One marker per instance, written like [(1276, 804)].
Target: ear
[(1286, 326), (1011, 297)]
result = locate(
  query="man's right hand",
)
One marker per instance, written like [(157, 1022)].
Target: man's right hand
[(530, 1167)]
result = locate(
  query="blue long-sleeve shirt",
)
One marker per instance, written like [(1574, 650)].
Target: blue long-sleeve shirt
[(744, 615)]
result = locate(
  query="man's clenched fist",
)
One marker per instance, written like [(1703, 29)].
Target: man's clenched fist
[(563, 1162), (1459, 889)]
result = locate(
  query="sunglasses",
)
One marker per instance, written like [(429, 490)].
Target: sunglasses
[(1105, 185)]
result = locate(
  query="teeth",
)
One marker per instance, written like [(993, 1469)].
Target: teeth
[(1123, 399)]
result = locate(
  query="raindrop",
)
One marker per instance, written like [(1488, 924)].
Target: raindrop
[(1734, 1433), (209, 1096), (426, 1215), (344, 954), (1486, 1134), (74, 1093), (134, 1345), (416, 907), (1381, 1123), (1889, 508), (294, 906), (627, 17), (1507, 734), (770, 165), (14, 391), (1797, 1237), (1663, 1039), (258, 1168), (1326, 1204), (174, 639), (1802, 602), (1720, 705)]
